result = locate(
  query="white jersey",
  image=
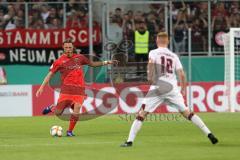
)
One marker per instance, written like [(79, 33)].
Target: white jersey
[(166, 64)]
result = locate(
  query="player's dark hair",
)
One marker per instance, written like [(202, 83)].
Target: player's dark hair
[(68, 40)]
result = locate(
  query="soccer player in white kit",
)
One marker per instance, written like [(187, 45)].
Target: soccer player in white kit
[(163, 66)]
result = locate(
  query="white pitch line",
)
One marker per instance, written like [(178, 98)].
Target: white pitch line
[(54, 144)]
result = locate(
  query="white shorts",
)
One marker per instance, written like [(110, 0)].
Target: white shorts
[(154, 98)]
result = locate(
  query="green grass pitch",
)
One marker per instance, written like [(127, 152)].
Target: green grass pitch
[(99, 139)]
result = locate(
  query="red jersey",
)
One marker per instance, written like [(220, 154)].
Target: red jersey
[(71, 70)]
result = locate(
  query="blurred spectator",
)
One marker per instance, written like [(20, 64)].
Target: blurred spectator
[(3, 76), (174, 13), (54, 24), (202, 14), (117, 16), (78, 16), (9, 18), (152, 24), (52, 15), (79, 19), (30, 22), (181, 16), (77, 5), (73, 20), (219, 17), (141, 39), (138, 16), (220, 23), (33, 17), (71, 5), (141, 43), (179, 33), (38, 24), (115, 31), (198, 38), (234, 19), (201, 10), (20, 19), (161, 21), (19, 6), (130, 15), (83, 18), (45, 12), (84, 21), (128, 24), (183, 12), (61, 15), (2, 21)]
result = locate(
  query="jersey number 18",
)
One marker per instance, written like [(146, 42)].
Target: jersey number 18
[(166, 65)]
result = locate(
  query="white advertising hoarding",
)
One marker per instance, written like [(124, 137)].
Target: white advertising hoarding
[(15, 100)]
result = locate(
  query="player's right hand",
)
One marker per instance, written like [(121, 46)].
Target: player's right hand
[(113, 62), (39, 92)]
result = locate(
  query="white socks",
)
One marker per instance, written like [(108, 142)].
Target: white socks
[(200, 124), (136, 126)]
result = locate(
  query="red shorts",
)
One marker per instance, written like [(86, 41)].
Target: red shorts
[(68, 100)]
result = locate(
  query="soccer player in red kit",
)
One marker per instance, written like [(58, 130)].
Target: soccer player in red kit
[(70, 66)]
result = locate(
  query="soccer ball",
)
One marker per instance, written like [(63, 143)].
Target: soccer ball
[(56, 131)]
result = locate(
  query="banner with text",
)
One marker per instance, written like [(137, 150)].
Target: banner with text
[(206, 97), (20, 100), (15, 100), (28, 46)]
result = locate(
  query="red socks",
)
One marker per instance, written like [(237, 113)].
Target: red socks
[(72, 122)]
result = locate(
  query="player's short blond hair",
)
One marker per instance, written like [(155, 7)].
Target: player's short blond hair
[(162, 35)]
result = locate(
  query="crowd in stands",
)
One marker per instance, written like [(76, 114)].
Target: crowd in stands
[(194, 15), (12, 16), (186, 15), (46, 15), (43, 15)]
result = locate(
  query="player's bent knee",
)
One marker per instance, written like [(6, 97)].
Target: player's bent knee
[(58, 112), (77, 105), (190, 116), (141, 115)]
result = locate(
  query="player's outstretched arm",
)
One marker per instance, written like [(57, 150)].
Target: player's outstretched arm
[(45, 81), (183, 81), (102, 63)]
